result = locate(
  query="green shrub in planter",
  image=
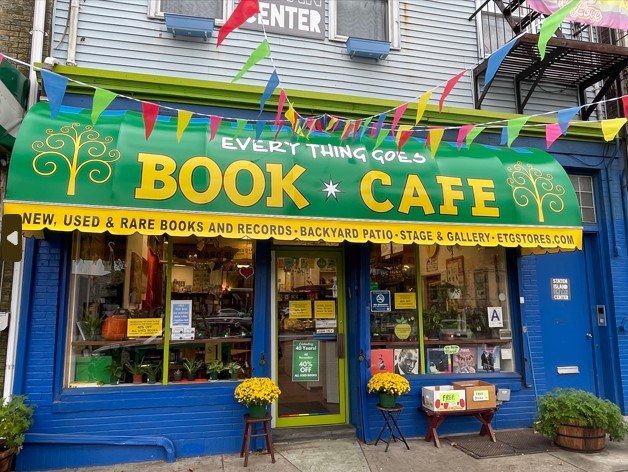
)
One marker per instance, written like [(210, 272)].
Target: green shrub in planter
[(579, 408), (15, 418)]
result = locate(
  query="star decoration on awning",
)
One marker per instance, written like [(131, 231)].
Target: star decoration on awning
[(331, 189)]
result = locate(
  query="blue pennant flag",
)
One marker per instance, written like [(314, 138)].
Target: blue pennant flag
[(504, 138), (272, 84), (565, 116), (54, 85), (496, 59), (259, 127)]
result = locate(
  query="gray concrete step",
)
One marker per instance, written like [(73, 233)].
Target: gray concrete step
[(312, 433)]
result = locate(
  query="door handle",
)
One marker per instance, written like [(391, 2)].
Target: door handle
[(589, 336), (340, 345)]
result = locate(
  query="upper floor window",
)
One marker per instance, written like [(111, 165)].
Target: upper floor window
[(366, 19), (216, 9), (583, 185)]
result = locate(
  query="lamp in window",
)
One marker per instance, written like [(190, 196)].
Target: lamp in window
[(368, 48), (189, 26)]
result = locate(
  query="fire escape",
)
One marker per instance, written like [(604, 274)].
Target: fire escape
[(589, 60)]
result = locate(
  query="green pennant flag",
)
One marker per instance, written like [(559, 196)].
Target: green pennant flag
[(514, 128), (474, 134), (241, 124), (552, 23), (365, 125), (102, 99), (380, 137), (262, 51)]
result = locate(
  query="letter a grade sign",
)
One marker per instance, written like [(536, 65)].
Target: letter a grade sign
[(495, 317)]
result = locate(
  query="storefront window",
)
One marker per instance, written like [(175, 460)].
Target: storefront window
[(463, 324), (117, 315)]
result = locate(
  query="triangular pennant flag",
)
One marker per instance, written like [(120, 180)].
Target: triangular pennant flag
[(378, 125), (241, 123), (565, 116), (243, 11), (1, 57), (422, 105), (280, 103), (435, 137), (311, 125), (451, 83), (504, 137), (462, 133), (514, 128), (552, 23), (495, 60), (279, 127), (403, 134), (346, 130), (365, 125), (259, 53), (54, 85), (399, 111), (291, 115), (624, 101), (610, 128), (183, 120), (102, 99), (380, 138), (356, 128), (331, 123), (474, 134), (552, 132), (272, 84), (214, 124), (259, 127), (149, 113)]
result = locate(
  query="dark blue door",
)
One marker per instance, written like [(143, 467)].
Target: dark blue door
[(566, 310)]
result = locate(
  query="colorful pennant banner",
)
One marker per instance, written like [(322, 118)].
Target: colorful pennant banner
[(242, 12)]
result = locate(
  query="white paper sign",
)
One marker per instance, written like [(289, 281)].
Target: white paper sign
[(506, 353), (495, 317)]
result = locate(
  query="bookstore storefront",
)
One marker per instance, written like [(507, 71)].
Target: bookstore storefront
[(163, 270)]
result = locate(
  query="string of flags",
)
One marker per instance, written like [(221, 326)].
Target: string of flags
[(375, 126)]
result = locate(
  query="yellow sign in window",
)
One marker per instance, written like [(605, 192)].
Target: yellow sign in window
[(300, 309), (405, 300), (143, 327), (324, 309)]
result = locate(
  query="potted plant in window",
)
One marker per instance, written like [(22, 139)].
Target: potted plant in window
[(151, 371), (389, 386), (191, 368), (257, 393), (15, 419), (432, 322), (177, 376), (135, 370), (89, 327), (214, 368), (116, 371), (234, 369), (578, 420)]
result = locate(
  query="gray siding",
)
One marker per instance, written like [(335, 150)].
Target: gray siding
[(437, 41)]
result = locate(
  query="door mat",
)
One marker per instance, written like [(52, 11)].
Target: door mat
[(301, 408), (514, 442)]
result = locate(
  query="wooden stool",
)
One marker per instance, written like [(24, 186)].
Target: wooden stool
[(250, 423), (390, 422)]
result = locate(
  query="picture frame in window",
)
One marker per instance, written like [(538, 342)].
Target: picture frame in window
[(454, 268)]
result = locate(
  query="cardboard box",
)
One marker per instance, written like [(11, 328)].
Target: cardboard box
[(443, 398), (479, 394)]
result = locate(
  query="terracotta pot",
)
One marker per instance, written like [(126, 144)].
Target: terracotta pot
[(6, 459), (580, 438), (137, 379)]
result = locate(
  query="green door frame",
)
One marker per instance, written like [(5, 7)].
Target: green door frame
[(312, 251)]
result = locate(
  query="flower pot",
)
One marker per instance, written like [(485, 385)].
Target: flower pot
[(191, 377), (6, 458), (177, 376), (137, 378), (257, 411), (233, 376), (387, 401), (580, 438), (213, 376)]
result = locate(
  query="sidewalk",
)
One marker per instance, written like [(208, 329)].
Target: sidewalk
[(346, 455)]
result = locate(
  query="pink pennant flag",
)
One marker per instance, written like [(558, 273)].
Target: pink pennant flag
[(279, 124), (214, 124), (280, 103), (552, 133), (462, 133), (399, 111), (356, 127), (1, 57), (312, 126), (624, 101), (242, 12), (451, 83), (149, 112)]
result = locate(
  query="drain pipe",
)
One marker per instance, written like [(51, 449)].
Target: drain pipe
[(37, 48), (73, 33)]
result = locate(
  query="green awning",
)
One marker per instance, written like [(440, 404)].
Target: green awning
[(67, 174), (13, 97)]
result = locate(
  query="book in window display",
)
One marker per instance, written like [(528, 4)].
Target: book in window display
[(382, 360), (488, 358), (464, 361), (437, 361)]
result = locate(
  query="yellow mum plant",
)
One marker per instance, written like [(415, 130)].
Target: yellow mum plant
[(389, 383), (257, 391)]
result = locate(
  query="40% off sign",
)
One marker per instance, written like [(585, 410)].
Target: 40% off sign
[(305, 356)]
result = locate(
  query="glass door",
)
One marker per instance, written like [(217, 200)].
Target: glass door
[(309, 337)]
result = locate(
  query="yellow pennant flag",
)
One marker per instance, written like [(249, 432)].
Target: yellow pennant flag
[(291, 115), (183, 119), (400, 130), (331, 123), (436, 134), (422, 105), (610, 128)]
